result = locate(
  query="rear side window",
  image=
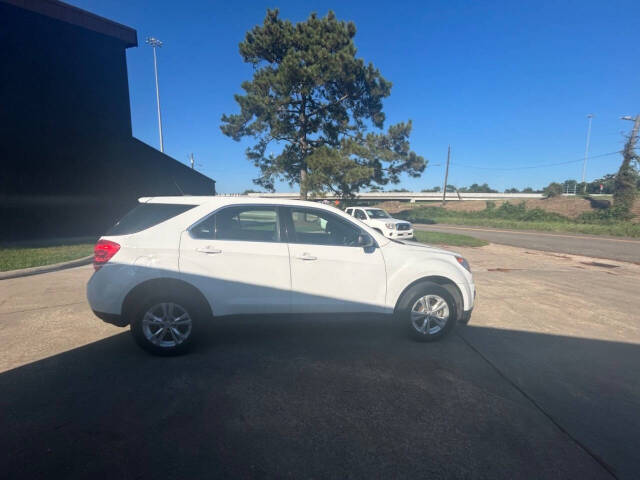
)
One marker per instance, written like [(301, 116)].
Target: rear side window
[(246, 223), (147, 215)]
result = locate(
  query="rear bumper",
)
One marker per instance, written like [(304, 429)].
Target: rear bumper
[(112, 318)]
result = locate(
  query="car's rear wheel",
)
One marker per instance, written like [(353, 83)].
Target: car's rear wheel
[(165, 325), (428, 311)]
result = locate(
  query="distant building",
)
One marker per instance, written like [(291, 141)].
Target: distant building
[(69, 165)]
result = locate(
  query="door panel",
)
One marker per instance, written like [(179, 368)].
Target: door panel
[(327, 273), (239, 276)]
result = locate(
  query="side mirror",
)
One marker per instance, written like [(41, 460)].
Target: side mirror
[(366, 241)]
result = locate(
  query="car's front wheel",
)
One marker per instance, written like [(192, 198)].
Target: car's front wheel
[(164, 326), (428, 311)]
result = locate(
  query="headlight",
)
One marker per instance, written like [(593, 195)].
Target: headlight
[(390, 226), (464, 263)]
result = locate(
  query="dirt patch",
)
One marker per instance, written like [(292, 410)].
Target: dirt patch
[(504, 270), (396, 206), (570, 207), (469, 205)]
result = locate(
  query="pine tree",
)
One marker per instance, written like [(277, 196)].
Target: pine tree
[(313, 99)]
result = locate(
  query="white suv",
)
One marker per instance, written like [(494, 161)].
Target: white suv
[(381, 221), (173, 263)]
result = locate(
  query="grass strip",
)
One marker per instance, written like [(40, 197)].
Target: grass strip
[(622, 229), (14, 258), (519, 218), (450, 239)]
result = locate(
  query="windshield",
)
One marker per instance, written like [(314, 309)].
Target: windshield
[(378, 213)]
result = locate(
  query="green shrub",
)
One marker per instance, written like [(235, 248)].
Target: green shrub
[(510, 210), (554, 189), (605, 216)]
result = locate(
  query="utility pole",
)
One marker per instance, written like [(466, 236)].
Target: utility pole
[(636, 128), (155, 43), (192, 161), (446, 176), (624, 187), (586, 154)]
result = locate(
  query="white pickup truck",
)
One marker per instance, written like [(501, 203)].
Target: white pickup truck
[(381, 221)]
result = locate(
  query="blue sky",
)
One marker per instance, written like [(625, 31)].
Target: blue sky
[(507, 84)]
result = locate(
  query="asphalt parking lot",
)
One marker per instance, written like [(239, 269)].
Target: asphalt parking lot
[(543, 383)]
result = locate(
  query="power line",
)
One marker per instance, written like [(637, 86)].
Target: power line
[(542, 165)]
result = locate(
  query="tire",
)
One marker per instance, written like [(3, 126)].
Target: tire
[(179, 317), (441, 305)]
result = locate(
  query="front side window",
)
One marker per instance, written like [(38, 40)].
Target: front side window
[(318, 227), (246, 223), (378, 213)]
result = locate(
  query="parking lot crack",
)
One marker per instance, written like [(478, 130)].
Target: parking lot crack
[(539, 407), (11, 312)]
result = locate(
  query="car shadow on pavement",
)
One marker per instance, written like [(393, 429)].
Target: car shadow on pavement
[(329, 397)]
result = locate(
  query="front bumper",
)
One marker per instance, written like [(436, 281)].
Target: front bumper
[(465, 317), (399, 234)]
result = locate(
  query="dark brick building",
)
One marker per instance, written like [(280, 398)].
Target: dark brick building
[(69, 165)]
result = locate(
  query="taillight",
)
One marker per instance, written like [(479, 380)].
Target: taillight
[(103, 251)]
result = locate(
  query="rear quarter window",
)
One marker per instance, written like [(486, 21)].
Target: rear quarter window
[(147, 215)]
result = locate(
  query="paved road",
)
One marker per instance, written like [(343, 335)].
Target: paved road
[(623, 249), (544, 383)]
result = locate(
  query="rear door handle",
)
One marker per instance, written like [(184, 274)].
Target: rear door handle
[(306, 256), (208, 250)]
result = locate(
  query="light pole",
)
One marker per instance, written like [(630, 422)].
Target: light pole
[(586, 154), (155, 43)]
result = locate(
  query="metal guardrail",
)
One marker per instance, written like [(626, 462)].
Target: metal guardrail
[(410, 196)]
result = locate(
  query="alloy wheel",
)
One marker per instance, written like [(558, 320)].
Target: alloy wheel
[(430, 314), (167, 324)]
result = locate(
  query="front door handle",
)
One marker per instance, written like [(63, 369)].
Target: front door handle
[(306, 256), (208, 250)]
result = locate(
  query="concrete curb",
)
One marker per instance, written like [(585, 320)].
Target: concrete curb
[(25, 272)]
